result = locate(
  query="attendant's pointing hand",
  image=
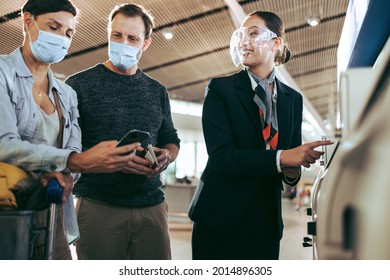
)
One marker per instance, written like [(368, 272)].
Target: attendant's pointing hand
[(303, 155)]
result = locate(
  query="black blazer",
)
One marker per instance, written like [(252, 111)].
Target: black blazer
[(239, 164)]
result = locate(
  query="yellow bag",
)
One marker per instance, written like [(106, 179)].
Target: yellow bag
[(10, 176)]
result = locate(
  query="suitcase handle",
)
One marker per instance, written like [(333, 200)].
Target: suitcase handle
[(53, 192)]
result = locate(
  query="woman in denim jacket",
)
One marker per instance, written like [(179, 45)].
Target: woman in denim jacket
[(31, 124)]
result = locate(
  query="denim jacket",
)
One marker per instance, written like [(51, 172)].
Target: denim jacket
[(18, 120)]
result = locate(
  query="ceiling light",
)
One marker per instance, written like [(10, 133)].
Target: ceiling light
[(313, 19), (168, 33)]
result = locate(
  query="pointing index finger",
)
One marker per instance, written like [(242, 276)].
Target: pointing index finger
[(318, 143)]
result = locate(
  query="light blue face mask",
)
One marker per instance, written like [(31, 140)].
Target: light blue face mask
[(49, 47), (122, 56)]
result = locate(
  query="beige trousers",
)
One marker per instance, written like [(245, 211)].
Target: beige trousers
[(108, 232)]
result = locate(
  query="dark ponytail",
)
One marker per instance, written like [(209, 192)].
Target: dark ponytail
[(284, 56)]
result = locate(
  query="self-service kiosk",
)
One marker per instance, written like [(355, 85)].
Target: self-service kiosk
[(351, 194)]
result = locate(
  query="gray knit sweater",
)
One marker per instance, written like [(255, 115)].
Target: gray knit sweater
[(110, 105)]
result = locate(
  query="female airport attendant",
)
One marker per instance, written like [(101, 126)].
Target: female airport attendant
[(39, 131), (252, 128)]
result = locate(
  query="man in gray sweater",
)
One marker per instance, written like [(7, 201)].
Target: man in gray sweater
[(123, 215)]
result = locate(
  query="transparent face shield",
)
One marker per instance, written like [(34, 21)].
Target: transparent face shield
[(248, 38)]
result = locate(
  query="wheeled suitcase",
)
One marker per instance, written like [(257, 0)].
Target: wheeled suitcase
[(18, 230)]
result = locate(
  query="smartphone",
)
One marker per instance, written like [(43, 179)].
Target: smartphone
[(133, 136)]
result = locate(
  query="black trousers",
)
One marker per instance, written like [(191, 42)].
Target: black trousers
[(210, 245), (256, 238)]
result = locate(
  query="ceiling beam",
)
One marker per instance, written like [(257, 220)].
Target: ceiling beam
[(10, 16), (314, 51), (162, 65), (324, 83), (305, 25), (315, 71), (236, 12)]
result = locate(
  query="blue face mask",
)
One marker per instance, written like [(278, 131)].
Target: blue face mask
[(122, 56), (49, 47)]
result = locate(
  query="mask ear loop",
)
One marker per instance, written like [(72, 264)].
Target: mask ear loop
[(28, 31), (138, 56)]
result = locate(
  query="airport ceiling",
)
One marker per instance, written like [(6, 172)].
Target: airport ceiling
[(199, 49)]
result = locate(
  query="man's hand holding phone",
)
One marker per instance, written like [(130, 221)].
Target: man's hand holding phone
[(103, 157), (134, 136)]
